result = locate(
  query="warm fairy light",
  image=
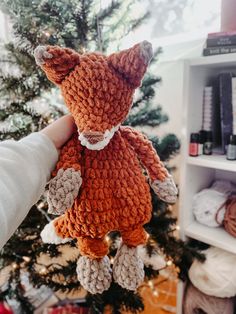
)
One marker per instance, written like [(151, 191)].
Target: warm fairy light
[(43, 271), (83, 49), (112, 260), (41, 205), (155, 293), (150, 283), (169, 263), (14, 266), (47, 34), (107, 239), (50, 120), (148, 235), (177, 227), (26, 258)]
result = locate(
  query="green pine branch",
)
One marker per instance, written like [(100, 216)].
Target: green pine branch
[(167, 147), (118, 298), (147, 117)]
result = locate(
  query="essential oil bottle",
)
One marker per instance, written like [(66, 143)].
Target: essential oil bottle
[(202, 139), (231, 149), (193, 145), (208, 144)]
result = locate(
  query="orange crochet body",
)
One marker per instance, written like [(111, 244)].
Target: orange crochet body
[(114, 195)]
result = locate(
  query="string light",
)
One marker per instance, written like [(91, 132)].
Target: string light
[(177, 227), (107, 239), (150, 283), (169, 263), (50, 120), (41, 205), (152, 287), (43, 271), (14, 265), (47, 34), (83, 49), (112, 260), (166, 290), (26, 258)]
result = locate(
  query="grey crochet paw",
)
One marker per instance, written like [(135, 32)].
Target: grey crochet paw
[(128, 268), (166, 190), (63, 189), (146, 51), (40, 53), (94, 276), (48, 235)]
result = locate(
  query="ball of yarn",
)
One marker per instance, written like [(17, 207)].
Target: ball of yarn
[(217, 275), (197, 302), (230, 216), (208, 204), (223, 186)]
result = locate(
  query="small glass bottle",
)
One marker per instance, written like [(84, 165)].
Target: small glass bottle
[(231, 149), (193, 145), (208, 144), (202, 137)]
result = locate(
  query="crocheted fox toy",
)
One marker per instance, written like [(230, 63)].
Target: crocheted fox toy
[(98, 184)]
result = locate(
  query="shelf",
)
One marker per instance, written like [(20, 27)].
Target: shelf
[(197, 173), (218, 60), (214, 236), (214, 161)]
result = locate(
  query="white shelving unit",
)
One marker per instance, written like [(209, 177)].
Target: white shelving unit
[(198, 172)]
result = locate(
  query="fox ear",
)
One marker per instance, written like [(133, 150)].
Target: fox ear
[(56, 62), (132, 63)]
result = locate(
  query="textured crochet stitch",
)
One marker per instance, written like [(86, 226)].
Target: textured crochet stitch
[(114, 194)]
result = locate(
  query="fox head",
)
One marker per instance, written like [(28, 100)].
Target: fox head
[(97, 89)]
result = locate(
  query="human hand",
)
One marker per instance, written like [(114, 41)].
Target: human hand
[(60, 131)]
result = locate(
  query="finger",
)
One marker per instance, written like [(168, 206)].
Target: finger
[(60, 131)]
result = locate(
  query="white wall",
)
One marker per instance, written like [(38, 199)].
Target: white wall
[(170, 92)]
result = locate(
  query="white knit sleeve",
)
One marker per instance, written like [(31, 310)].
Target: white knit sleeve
[(25, 168)]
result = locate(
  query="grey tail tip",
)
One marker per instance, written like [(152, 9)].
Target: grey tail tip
[(39, 47), (146, 42)]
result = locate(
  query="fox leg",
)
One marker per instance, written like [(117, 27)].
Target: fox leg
[(128, 267), (56, 232), (93, 266)]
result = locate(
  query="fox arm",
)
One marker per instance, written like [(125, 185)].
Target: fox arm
[(70, 155), (65, 184), (160, 180)]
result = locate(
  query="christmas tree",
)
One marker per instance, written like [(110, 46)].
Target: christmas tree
[(28, 102)]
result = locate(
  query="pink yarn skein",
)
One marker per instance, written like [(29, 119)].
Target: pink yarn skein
[(197, 302)]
